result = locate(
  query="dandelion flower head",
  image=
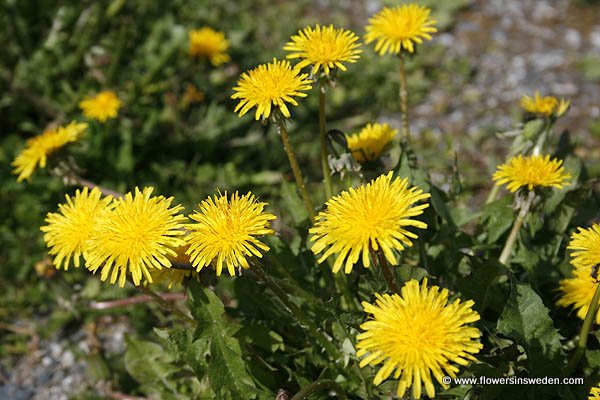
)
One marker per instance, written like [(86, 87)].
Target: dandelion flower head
[(104, 106), (209, 43), (68, 231), (578, 292), (169, 276), (136, 236), (173, 276), (226, 232), (370, 142), (324, 48), (270, 85), (417, 334), (531, 172), (544, 105), (400, 28), (40, 147), (594, 393), (372, 217), (585, 247)]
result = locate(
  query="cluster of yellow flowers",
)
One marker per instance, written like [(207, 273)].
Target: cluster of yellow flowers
[(138, 235), (326, 49), (359, 223)]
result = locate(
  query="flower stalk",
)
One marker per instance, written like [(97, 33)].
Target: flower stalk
[(492, 195), (512, 237), (295, 169), (387, 272), (585, 330), (323, 139), (404, 99)]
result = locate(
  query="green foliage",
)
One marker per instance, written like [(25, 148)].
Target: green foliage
[(525, 319), (227, 371)]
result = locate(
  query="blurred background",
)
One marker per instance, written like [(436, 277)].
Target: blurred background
[(177, 132)]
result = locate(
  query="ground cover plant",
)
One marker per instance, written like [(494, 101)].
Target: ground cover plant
[(254, 201)]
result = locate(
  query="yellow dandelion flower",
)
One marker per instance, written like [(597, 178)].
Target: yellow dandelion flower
[(400, 27), (101, 107), (578, 291), (68, 231), (372, 217), (417, 335), (585, 246), (170, 276), (547, 105), (269, 85), (594, 393), (324, 48), (531, 172), (173, 276), (40, 147), (209, 43), (137, 236), (226, 232), (370, 142)]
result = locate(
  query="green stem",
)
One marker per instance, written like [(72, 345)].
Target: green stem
[(302, 318), (512, 237), (318, 386), (166, 304), (387, 273), (296, 169), (404, 99), (493, 193), (323, 137), (585, 330)]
